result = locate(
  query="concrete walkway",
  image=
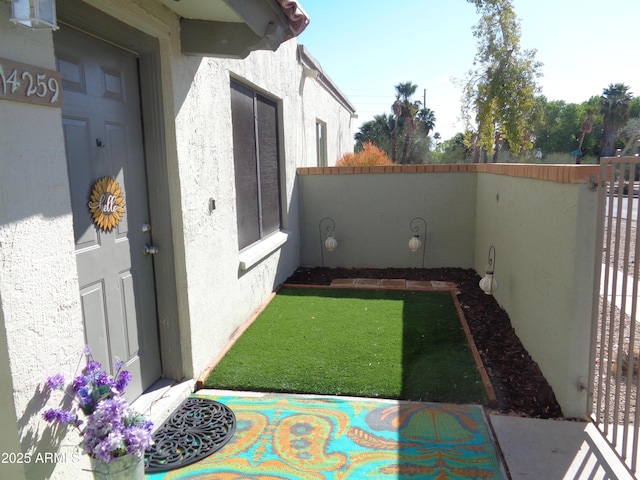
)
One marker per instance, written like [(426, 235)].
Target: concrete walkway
[(535, 449), (620, 302)]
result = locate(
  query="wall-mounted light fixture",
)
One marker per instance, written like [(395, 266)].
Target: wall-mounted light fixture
[(488, 284), (36, 14), (310, 73), (330, 242), (415, 243)]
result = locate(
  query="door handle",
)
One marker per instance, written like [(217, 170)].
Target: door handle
[(150, 250)]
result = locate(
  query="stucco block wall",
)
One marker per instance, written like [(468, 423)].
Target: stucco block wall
[(544, 233), (540, 219), (39, 304), (372, 214)]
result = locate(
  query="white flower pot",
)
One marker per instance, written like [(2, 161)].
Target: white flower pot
[(121, 468)]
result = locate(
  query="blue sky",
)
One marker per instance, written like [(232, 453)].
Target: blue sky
[(369, 46)]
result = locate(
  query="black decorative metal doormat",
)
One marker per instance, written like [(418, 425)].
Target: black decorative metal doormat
[(198, 428)]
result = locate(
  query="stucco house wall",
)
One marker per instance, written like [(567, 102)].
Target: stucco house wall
[(40, 313), (211, 254), (41, 318)]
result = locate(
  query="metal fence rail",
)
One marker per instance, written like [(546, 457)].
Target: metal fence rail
[(615, 332)]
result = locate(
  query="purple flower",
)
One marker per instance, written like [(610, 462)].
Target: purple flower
[(137, 440), (146, 424), (112, 429), (85, 400), (50, 415), (86, 350), (124, 377), (103, 379), (110, 411), (55, 382), (79, 382), (65, 417), (62, 417), (110, 447), (92, 368), (83, 394)]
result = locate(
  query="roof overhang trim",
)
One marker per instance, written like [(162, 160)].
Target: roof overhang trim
[(263, 25), (307, 61)]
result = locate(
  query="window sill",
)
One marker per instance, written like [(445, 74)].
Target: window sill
[(256, 252)]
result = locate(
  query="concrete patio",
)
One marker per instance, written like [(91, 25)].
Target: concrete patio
[(529, 448)]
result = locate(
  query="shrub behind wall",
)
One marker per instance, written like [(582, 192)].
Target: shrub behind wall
[(369, 155)]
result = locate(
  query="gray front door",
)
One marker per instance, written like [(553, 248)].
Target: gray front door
[(103, 137)]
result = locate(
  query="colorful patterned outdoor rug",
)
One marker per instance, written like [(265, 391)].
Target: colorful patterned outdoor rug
[(292, 437)]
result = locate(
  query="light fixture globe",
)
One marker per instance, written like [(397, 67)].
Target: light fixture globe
[(330, 243), (415, 243), (488, 284), (36, 14)]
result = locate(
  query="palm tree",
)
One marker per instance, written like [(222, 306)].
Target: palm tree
[(397, 112), (427, 119), (410, 112), (586, 127), (377, 131), (404, 91), (615, 105)]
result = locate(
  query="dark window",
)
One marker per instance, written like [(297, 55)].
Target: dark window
[(257, 166), (321, 143)]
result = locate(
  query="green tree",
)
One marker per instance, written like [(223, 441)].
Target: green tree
[(558, 128), (427, 120), (564, 129), (635, 108), (615, 106), (586, 127), (591, 141), (453, 150), (377, 131), (630, 134), (499, 95), (404, 92), (419, 150), (406, 129)]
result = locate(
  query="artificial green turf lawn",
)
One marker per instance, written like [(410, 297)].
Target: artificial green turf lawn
[(368, 343)]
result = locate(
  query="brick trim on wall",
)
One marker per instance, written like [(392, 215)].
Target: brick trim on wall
[(554, 173)]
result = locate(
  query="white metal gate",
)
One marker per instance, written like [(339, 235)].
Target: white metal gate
[(616, 331)]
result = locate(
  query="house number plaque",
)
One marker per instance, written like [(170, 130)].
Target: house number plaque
[(106, 204), (25, 83)]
